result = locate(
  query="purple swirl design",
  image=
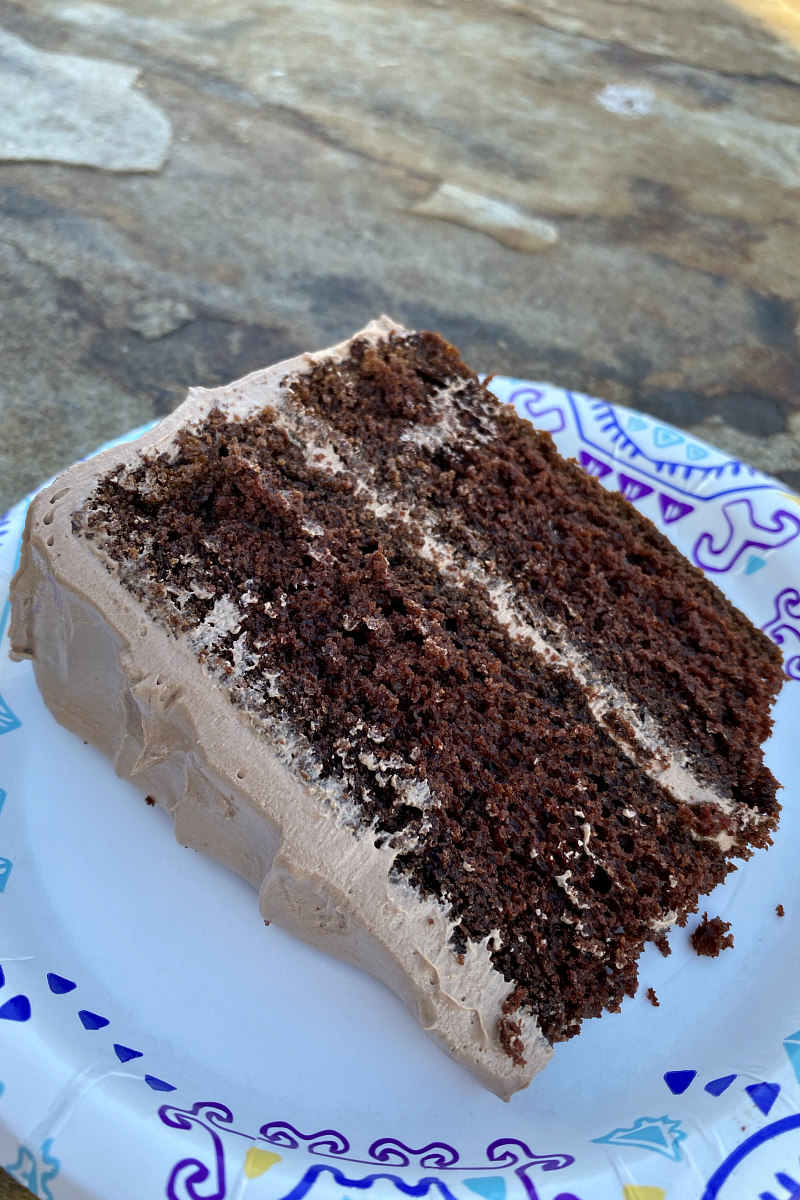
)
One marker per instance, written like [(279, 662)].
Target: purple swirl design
[(190, 1173), (548, 416), (205, 1111), (434, 1156), (326, 1142), (505, 1152), (191, 1178), (780, 529), (787, 607)]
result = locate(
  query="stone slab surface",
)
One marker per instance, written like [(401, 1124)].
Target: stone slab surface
[(70, 109), (599, 193)]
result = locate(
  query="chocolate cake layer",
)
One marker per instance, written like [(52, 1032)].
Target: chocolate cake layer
[(337, 548), (592, 570)]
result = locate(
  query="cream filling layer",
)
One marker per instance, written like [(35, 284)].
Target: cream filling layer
[(664, 764)]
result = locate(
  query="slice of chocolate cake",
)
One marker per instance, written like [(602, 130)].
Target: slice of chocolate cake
[(462, 717)]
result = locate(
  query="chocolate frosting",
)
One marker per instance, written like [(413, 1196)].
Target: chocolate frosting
[(115, 676)]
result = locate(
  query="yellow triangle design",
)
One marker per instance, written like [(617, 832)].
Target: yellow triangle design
[(258, 1161), (638, 1191)]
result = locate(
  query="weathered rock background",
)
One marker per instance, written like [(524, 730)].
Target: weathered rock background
[(597, 193)]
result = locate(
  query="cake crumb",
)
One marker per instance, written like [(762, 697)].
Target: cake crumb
[(711, 936), (509, 1030), (779, 909), (149, 800), (663, 944), (509, 1034), (652, 997)]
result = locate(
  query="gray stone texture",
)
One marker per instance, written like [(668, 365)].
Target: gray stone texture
[(604, 195), (70, 109)]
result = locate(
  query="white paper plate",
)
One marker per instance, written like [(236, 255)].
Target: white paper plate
[(157, 1041)]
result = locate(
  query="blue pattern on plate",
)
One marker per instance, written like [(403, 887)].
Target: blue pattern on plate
[(36, 1169), (18, 1008), (725, 1173), (8, 720), (90, 1020), (659, 1134), (125, 1054), (58, 985), (679, 1081), (717, 1086), (763, 1095)]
